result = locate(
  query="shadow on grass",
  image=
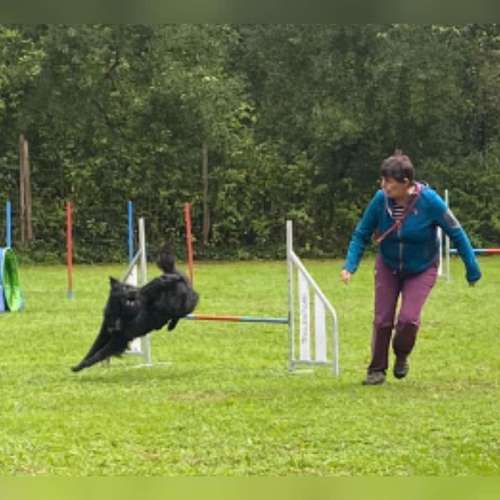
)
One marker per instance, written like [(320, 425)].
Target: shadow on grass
[(132, 374)]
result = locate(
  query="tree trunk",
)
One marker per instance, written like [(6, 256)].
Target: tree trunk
[(22, 207), (25, 191), (206, 209)]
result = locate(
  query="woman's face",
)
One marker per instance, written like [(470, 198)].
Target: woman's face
[(393, 188)]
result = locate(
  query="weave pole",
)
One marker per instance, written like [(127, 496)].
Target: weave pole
[(69, 248), (189, 241)]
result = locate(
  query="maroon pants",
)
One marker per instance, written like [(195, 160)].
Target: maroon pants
[(389, 286)]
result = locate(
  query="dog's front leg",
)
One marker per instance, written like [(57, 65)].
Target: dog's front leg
[(172, 324)]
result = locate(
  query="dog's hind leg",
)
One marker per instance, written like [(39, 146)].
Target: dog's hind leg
[(103, 337), (116, 345)]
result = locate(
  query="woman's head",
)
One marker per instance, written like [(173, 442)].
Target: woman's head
[(397, 174)]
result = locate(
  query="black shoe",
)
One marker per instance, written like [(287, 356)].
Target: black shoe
[(401, 368), (374, 378)]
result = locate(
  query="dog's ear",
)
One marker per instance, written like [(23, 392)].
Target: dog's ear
[(113, 282)]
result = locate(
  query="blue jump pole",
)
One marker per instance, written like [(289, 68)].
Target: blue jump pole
[(8, 224), (130, 211)]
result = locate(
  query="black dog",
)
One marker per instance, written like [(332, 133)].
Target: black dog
[(133, 312)]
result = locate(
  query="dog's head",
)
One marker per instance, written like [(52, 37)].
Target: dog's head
[(123, 299)]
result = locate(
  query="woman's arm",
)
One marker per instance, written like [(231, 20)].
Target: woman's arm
[(444, 218), (363, 232)]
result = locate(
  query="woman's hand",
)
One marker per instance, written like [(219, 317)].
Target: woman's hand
[(345, 276)]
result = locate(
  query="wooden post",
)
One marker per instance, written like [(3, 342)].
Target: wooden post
[(206, 210), (27, 193), (22, 208), (25, 198)]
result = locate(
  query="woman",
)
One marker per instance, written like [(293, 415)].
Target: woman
[(403, 217)]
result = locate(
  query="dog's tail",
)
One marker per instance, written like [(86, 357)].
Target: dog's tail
[(166, 259)]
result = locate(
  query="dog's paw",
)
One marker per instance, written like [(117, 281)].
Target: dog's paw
[(172, 324), (76, 368)]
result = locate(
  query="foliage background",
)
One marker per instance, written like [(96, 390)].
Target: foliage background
[(297, 119)]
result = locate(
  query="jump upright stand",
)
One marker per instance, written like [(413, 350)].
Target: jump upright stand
[(317, 342), (318, 337), (136, 275)]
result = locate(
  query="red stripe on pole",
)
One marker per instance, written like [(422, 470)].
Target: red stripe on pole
[(69, 247), (212, 317), (189, 240)]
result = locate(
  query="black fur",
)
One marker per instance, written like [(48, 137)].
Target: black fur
[(133, 312)]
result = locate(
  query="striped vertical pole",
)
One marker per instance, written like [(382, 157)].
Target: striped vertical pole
[(69, 247), (130, 214), (8, 224), (189, 240)]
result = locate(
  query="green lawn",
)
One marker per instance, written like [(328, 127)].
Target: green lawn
[(220, 400)]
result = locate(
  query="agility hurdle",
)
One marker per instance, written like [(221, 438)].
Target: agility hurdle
[(136, 274), (453, 251), (317, 342)]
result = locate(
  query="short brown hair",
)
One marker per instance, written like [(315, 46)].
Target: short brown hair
[(398, 167)]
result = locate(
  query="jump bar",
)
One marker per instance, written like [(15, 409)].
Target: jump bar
[(240, 319), (490, 251)]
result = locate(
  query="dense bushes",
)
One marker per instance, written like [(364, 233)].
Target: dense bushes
[(296, 120)]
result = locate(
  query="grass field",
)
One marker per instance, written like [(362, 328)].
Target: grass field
[(220, 400)]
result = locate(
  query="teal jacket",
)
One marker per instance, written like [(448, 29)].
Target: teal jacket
[(414, 247)]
